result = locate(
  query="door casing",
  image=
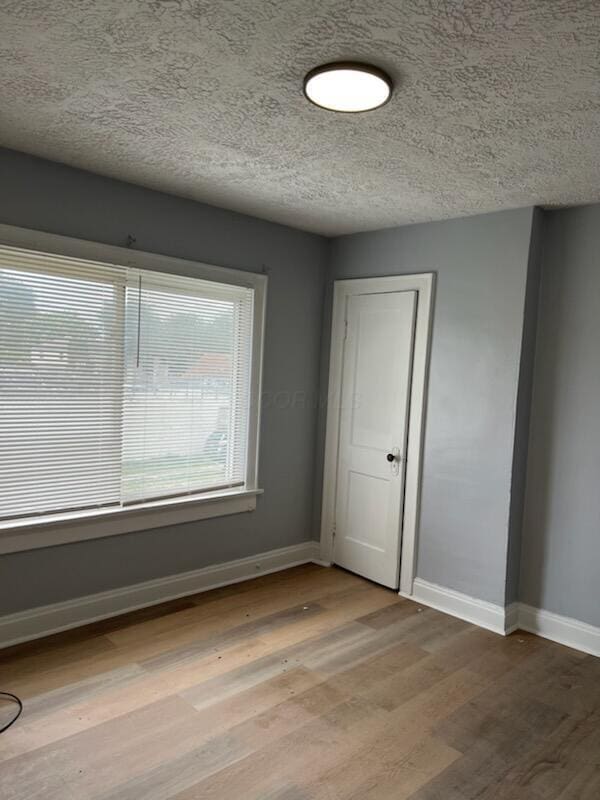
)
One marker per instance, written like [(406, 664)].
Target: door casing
[(423, 284)]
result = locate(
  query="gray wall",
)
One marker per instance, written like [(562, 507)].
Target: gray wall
[(560, 568), (524, 395), (50, 197), (480, 388), (482, 267)]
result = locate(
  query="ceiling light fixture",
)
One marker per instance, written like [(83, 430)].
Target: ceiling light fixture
[(348, 86)]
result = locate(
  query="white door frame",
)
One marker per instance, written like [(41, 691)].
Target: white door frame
[(423, 284)]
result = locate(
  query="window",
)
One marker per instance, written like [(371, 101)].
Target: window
[(121, 386)]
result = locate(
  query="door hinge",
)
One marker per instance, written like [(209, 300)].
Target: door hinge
[(345, 329)]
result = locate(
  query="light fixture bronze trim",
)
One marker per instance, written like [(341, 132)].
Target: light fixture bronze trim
[(357, 66)]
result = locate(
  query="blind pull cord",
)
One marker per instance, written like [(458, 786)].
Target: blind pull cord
[(139, 320)]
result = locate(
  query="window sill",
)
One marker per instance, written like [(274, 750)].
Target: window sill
[(78, 526)]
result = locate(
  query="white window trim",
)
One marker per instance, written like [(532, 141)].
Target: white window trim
[(55, 529)]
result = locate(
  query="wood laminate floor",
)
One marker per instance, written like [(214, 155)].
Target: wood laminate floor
[(310, 683)]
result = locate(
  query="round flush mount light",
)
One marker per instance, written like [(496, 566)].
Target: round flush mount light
[(348, 86)]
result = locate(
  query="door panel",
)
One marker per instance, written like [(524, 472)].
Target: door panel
[(366, 495), (373, 422), (373, 382)]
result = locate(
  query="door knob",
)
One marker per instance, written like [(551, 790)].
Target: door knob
[(391, 457)]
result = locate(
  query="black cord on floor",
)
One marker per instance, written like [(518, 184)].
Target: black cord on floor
[(17, 715)]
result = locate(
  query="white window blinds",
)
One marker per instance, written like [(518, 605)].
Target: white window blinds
[(118, 385), (186, 395)]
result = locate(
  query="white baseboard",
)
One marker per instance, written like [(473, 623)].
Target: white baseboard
[(565, 630), (479, 612), (44, 620), (505, 620), (511, 618)]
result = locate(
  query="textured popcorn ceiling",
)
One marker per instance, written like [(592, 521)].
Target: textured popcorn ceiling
[(497, 102)]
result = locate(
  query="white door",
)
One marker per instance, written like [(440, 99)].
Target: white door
[(376, 380)]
